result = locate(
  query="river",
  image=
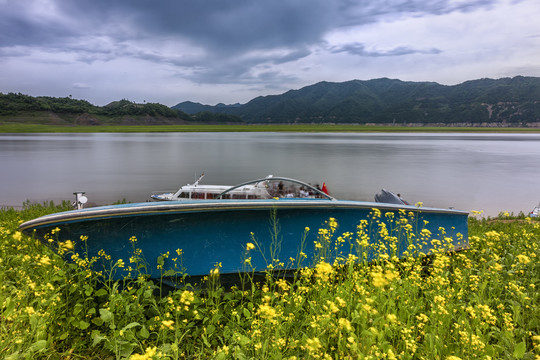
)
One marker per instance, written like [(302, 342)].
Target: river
[(489, 172)]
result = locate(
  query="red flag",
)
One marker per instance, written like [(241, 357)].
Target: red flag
[(324, 189)]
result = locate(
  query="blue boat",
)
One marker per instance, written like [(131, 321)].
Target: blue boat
[(292, 226)]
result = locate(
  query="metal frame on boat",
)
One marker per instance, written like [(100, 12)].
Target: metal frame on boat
[(198, 191), (535, 212)]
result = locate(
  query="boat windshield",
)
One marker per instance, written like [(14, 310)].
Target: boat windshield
[(278, 187)]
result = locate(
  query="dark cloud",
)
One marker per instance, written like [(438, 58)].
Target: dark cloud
[(20, 27), (244, 42), (360, 50), (220, 26)]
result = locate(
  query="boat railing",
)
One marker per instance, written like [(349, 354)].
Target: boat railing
[(316, 191)]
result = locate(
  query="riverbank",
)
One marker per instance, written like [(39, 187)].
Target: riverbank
[(480, 303), (321, 128)]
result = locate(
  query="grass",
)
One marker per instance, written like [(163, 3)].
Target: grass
[(481, 303), (36, 128)]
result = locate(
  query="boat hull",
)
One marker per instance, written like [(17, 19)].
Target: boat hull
[(217, 232)]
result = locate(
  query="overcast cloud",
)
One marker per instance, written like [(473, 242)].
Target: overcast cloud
[(230, 51)]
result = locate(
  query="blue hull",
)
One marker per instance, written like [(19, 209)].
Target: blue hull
[(218, 231)]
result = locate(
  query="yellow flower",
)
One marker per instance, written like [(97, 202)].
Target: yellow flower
[(313, 344), (148, 354), (17, 235), (167, 324), (267, 312), (187, 297), (523, 259), (45, 260), (324, 270), (250, 246), (378, 279), (330, 305), (332, 223), (214, 272), (345, 324)]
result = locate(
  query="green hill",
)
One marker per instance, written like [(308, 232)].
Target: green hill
[(485, 102), (20, 108), (512, 101)]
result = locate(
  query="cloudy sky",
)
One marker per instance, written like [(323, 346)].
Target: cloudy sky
[(230, 51)]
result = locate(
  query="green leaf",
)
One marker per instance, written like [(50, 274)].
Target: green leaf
[(169, 273), (144, 333), (8, 307), (83, 325), (97, 339), (106, 315), (221, 356), (131, 325), (205, 341), (247, 314), (519, 350), (77, 309), (160, 260), (101, 292), (38, 345), (243, 340), (88, 290)]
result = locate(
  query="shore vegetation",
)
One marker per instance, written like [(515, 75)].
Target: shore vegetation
[(320, 128), (479, 303)]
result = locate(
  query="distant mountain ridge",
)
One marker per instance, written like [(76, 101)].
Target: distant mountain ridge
[(485, 101), (20, 108), (192, 108)]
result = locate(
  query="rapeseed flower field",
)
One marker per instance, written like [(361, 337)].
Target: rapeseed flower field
[(479, 303)]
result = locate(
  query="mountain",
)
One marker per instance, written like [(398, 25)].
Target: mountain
[(507, 100), (484, 102), (20, 108), (191, 108)]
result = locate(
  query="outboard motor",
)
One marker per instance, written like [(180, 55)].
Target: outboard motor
[(388, 197)]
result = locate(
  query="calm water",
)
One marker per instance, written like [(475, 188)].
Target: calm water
[(490, 172)]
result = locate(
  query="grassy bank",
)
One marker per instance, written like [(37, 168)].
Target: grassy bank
[(482, 303), (34, 128)]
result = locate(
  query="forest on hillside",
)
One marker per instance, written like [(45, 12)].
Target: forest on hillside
[(505, 102), (24, 108), (484, 102)]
